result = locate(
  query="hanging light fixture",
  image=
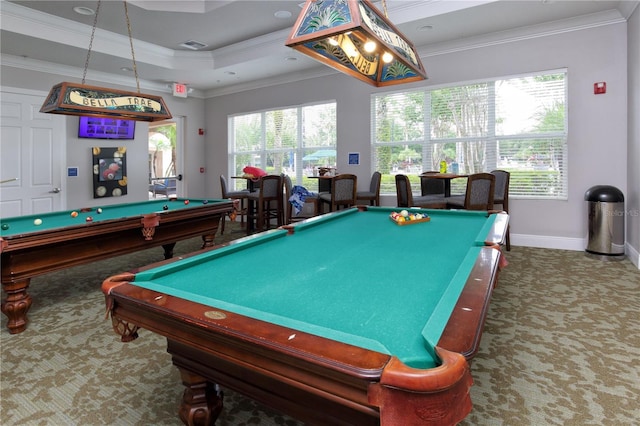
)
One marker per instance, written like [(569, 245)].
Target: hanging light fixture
[(81, 99), (354, 38)]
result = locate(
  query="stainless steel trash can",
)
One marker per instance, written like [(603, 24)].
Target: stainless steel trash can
[(606, 222)]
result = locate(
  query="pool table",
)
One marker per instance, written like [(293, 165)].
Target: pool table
[(345, 318), (70, 238)]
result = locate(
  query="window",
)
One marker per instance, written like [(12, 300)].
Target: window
[(516, 124), (293, 141)]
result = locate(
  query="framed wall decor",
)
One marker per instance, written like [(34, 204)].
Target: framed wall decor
[(109, 172), (354, 158)]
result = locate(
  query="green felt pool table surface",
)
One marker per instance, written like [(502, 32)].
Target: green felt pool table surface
[(355, 277), (52, 221)]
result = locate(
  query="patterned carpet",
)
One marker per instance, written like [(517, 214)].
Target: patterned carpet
[(561, 347)]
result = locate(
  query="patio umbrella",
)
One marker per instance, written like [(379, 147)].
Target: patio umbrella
[(318, 155)]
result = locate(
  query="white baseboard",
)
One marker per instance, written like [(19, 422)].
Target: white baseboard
[(560, 243), (563, 243)]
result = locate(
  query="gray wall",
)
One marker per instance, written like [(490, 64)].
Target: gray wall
[(597, 123)]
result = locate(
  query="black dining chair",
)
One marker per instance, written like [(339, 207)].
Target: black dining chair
[(267, 204), (478, 195), (343, 192), (289, 217), (431, 186), (373, 194), (234, 195), (501, 195), (405, 197)]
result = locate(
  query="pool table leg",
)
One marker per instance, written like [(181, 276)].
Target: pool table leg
[(16, 305), (201, 401), (168, 250)]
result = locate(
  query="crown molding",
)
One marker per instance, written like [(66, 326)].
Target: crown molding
[(609, 17)]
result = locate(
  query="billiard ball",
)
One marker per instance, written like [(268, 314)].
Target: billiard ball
[(404, 213), (37, 222), (108, 174), (205, 201), (165, 207), (99, 210), (186, 202), (74, 214), (89, 219), (5, 226)]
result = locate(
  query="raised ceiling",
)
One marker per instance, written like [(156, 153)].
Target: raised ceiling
[(245, 39)]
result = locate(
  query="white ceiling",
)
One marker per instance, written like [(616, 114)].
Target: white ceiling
[(245, 40)]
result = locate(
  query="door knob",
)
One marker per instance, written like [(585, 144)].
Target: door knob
[(55, 191)]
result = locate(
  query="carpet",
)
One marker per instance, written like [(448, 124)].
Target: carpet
[(560, 347)]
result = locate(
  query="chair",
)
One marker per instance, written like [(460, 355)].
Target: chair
[(405, 196), (431, 186), (478, 195), (263, 211), (343, 192), (373, 194), (166, 187), (501, 195), (234, 195), (311, 199)]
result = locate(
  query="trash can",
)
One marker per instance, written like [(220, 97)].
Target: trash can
[(606, 222)]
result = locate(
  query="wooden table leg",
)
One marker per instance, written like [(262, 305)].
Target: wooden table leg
[(16, 305), (201, 401)]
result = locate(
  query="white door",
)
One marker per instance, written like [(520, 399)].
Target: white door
[(32, 153)]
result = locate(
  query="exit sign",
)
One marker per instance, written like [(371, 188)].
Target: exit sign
[(180, 90)]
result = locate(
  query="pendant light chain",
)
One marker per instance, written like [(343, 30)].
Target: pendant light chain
[(93, 32), (133, 55), (384, 8)]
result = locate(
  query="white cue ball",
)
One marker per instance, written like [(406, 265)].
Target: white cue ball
[(37, 222)]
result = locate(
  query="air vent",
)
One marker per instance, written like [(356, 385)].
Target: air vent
[(193, 45)]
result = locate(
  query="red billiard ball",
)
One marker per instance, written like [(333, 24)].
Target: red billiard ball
[(186, 201), (109, 174), (89, 219)]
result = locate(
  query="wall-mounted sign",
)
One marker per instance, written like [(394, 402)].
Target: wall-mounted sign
[(180, 90)]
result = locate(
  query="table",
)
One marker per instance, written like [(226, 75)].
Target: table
[(366, 321), (447, 177), (63, 241)]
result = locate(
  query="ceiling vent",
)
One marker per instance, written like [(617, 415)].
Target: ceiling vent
[(193, 45)]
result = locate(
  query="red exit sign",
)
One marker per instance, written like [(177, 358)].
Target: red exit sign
[(180, 90)]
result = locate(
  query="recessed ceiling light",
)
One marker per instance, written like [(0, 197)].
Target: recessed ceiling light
[(425, 28), (230, 73), (126, 69), (193, 45), (282, 14), (290, 58), (81, 10)]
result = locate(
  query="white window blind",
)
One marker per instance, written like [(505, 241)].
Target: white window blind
[(516, 124)]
